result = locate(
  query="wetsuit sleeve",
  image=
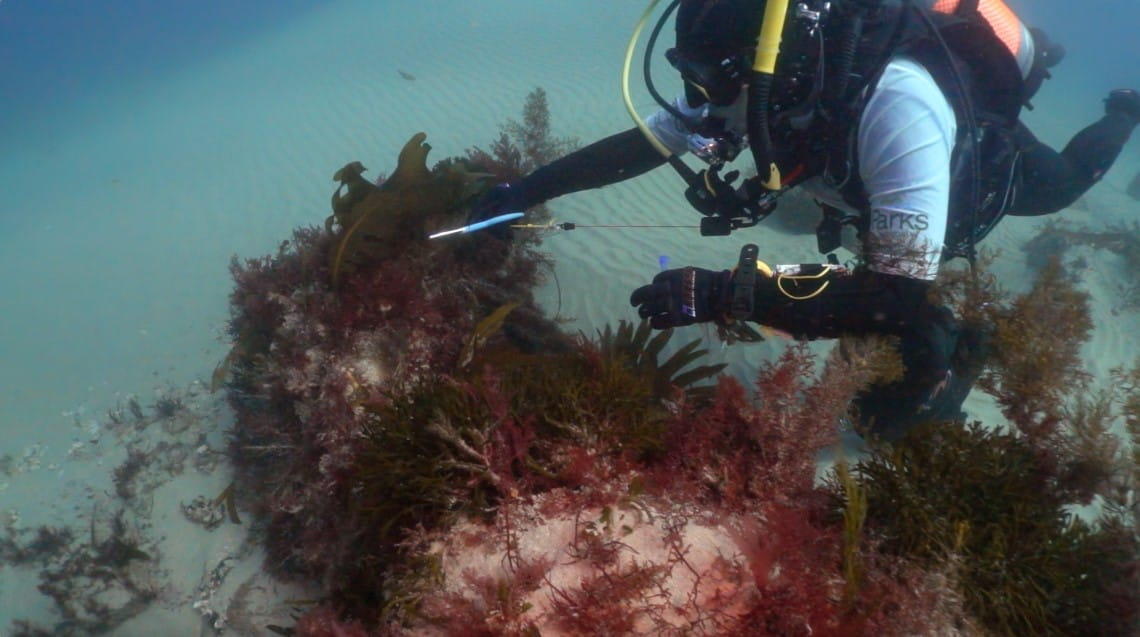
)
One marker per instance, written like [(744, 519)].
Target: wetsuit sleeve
[(862, 302), (613, 159), (607, 161), (1051, 181)]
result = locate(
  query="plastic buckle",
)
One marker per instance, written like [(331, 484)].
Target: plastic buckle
[(744, 283)]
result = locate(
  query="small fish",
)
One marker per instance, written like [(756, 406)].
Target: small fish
[(407, 76)]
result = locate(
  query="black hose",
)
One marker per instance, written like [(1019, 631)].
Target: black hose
[(967, 108), (845, 59), (647, 70), (759, 134)]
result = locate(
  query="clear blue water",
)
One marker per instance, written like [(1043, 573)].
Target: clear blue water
[(145, 142)]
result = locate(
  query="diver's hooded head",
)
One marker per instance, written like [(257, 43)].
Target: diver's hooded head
[(715, 29), (716, 40)]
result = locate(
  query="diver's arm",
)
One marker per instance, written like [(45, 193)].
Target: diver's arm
[(610, 160), (827, 302), (613, 159), (817, 302), (1052, 181)]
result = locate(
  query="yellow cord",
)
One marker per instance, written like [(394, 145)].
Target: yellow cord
[(780, 286), (656, 143), (767, 271)]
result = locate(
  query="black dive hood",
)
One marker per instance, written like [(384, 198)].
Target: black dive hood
[(721, 46)]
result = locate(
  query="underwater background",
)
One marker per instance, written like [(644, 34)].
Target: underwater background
[(145, 143)]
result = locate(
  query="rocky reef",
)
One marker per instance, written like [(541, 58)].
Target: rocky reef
[(421, 442)]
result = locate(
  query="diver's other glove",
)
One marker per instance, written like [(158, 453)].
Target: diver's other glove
[(1125, 101), (684, 296)]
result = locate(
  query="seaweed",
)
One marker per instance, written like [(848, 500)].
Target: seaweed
[(125, 474), (1123, 240), (425, 388), (524, 146), (1035, 362), (639, 352), (981, 497), (456, 446), (483, 331), (371, 222), (227, 497), (854, 517), (993, 507)]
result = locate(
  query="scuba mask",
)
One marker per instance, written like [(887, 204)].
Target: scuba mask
[(714, 82)]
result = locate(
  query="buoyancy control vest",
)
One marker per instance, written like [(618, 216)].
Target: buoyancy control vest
[(970, 47)]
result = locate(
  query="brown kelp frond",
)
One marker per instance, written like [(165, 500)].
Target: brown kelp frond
[(484, 329), (973, 293), (373, 222), (635, 349), (854, 517), (1036, 353), (355, 189)]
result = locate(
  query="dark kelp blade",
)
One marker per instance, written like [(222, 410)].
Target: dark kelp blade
[(227, 496), (484, 330)]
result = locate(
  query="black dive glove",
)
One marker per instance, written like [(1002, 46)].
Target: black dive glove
[(684, 296), (500, 199), (1125, 101)]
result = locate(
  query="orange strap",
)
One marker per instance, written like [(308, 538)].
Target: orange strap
[(1002, 19)]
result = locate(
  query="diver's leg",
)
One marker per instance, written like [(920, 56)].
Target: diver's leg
[(1051, 181)]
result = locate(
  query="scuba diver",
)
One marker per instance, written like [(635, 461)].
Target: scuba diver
[(899, 117)]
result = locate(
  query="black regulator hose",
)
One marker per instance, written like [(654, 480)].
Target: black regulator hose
[(759, 132), (845, 58)]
